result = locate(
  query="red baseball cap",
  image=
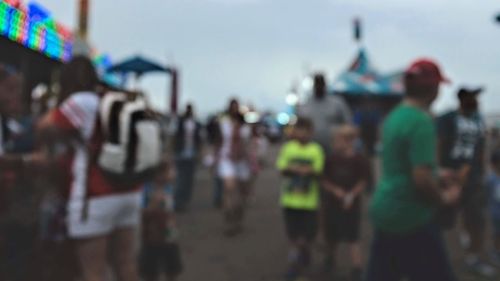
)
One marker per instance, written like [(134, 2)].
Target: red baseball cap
[(425, 71)]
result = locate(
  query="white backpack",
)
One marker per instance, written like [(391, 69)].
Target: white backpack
[(133, 140)]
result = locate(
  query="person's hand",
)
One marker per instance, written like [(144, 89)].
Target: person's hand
[(447, 176), (451, 195), (339, 193), (348, 201), (305, 170)]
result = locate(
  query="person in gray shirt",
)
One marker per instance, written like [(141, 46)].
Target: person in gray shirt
[(328, 112)]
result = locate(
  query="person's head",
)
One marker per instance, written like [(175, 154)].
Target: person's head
[(234, 108), (189, 111), (495, 161), (320, 89), (10, 92), (467, 98), (79, 75), (422, 80), (344, 139), (303, 129)]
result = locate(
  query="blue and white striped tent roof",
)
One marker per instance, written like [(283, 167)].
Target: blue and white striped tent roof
[(361, 78)]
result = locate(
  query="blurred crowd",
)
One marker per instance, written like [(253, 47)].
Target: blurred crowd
[(86, 169), (436, 171), (82, 169)]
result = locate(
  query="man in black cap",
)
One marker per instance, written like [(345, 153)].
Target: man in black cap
[(462, 135)]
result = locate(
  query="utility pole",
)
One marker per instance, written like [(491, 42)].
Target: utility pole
[(81, 45), (83, 19)]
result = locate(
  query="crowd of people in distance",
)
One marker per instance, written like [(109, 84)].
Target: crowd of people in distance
[(92, 179)]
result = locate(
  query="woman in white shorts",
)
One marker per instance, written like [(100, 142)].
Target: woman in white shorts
[(233, 166), (100, 215)]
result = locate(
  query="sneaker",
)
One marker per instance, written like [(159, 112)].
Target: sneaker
[(357, 274), (475, 265)]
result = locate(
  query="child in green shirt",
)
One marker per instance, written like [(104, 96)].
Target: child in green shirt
[(301, 163)]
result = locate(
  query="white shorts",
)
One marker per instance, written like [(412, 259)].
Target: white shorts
[(104, 215), (239, 170)]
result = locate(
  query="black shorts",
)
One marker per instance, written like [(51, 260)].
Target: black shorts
[(301, 224), (341, 225), (158, 259)]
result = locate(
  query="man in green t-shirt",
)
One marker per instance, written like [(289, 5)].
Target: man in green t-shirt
[(301, 163), (407, 244)]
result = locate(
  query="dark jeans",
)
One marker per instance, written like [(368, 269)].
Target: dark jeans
[(418, 256), (186, 169), (218, 191)]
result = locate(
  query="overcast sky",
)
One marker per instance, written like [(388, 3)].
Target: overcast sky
[(255, 49)]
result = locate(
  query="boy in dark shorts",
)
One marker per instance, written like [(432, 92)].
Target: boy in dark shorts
[(301, 163), (160, 252), (345, 177)]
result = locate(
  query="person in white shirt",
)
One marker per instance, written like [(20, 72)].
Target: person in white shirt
[(187, 149), (233, 165)]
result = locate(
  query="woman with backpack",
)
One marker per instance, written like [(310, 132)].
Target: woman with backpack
[(100, 214)]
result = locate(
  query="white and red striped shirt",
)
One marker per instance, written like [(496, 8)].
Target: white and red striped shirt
[(84, 178)]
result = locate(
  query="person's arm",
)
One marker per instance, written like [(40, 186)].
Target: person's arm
[(422, 156), (282, 162), (336, 190), (364, 177), (326, 182), (359, 188)]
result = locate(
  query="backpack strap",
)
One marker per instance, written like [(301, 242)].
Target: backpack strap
[(106, 108), (126, 116)]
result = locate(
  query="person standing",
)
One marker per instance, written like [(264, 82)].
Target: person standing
[(160, 252), (327, 112), (19, 192), (187, 149), (345, 178), (462, 138), (102, 217), (301, 162), (233, 166), (213, 139), (407, 244)]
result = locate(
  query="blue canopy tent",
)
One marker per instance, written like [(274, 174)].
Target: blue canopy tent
[(370, 95), (140, 66), (361, 79)]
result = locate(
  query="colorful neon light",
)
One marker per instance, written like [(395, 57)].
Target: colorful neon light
[(35, 30)]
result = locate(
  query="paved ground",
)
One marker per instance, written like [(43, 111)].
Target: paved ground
[(259, 254)]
